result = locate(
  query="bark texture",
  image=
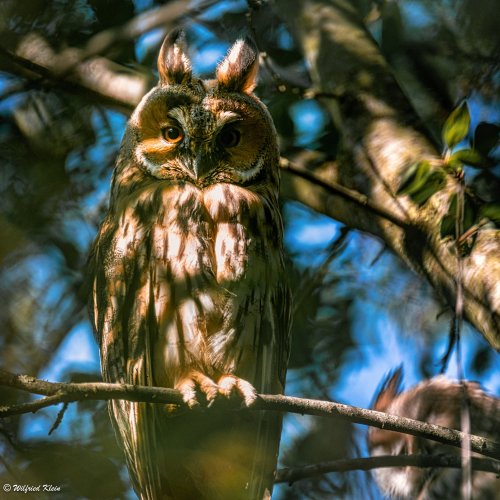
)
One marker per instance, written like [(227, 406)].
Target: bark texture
[(382, 136)]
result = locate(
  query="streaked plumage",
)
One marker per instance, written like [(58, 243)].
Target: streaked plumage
[(188, 283), (436, 401)]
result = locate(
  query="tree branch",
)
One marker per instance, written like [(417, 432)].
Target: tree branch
[(99, 79), (382, 136), (291, 474), (84, 70), (65, 393), (361, 200)]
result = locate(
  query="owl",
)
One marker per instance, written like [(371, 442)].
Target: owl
[(188, 283), (436, 401)]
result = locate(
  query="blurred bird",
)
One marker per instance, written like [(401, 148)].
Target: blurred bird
[(436, 401)]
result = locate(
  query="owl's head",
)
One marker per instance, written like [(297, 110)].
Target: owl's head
[(204, 131)]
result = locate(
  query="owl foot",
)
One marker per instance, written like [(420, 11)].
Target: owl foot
[(194, 380), (229, 385)]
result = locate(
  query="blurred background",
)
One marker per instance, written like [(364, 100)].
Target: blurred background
[(359, 311)]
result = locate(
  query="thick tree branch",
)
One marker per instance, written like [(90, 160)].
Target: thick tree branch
[(99, 79), (85, 70), (65, 393), (381, 137), (291, 474)]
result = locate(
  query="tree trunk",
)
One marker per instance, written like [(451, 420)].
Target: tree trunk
[(381, 137)]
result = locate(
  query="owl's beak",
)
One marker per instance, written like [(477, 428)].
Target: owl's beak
[(201, 164)]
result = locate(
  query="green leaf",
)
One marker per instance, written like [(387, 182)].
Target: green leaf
[(448, 222), (434, 183), (486, 137), (415, 178), (455, 165), (421, 181), (456, 126), (491, 211), (469, 157)]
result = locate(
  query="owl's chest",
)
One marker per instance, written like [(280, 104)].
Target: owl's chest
[(200, 261), (194, 236)]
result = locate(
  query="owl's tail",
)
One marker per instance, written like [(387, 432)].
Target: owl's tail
[(224, 455)]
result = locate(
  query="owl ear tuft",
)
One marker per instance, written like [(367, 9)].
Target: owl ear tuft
[(389, 390), (237, 72), (173, 64)]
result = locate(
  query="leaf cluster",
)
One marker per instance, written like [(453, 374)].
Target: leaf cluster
[(425, 178)]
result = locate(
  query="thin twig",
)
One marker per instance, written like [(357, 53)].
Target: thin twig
[(465, 424), (344, 192), (292, 474), (59, 418)]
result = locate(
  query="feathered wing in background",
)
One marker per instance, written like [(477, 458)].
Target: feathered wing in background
[(188, 281), (436, 401)]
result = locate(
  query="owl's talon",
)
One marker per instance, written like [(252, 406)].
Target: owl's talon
[(194, 380), (229, 385), (193, 404)]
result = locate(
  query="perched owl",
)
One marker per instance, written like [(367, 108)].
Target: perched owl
[(436, 401), (188, 283)]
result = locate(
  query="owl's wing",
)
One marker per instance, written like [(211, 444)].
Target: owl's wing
[(269, 372), (121, 308)]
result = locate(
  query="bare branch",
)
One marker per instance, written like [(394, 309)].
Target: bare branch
[(99, 79), (292, 474), (84, 70), (352, 195), (65, 393)]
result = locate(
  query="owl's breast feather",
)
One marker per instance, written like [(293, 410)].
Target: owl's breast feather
[(212, 261), (236, 215)]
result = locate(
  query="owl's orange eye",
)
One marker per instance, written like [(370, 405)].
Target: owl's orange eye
[(173, 134), (229, 137)]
